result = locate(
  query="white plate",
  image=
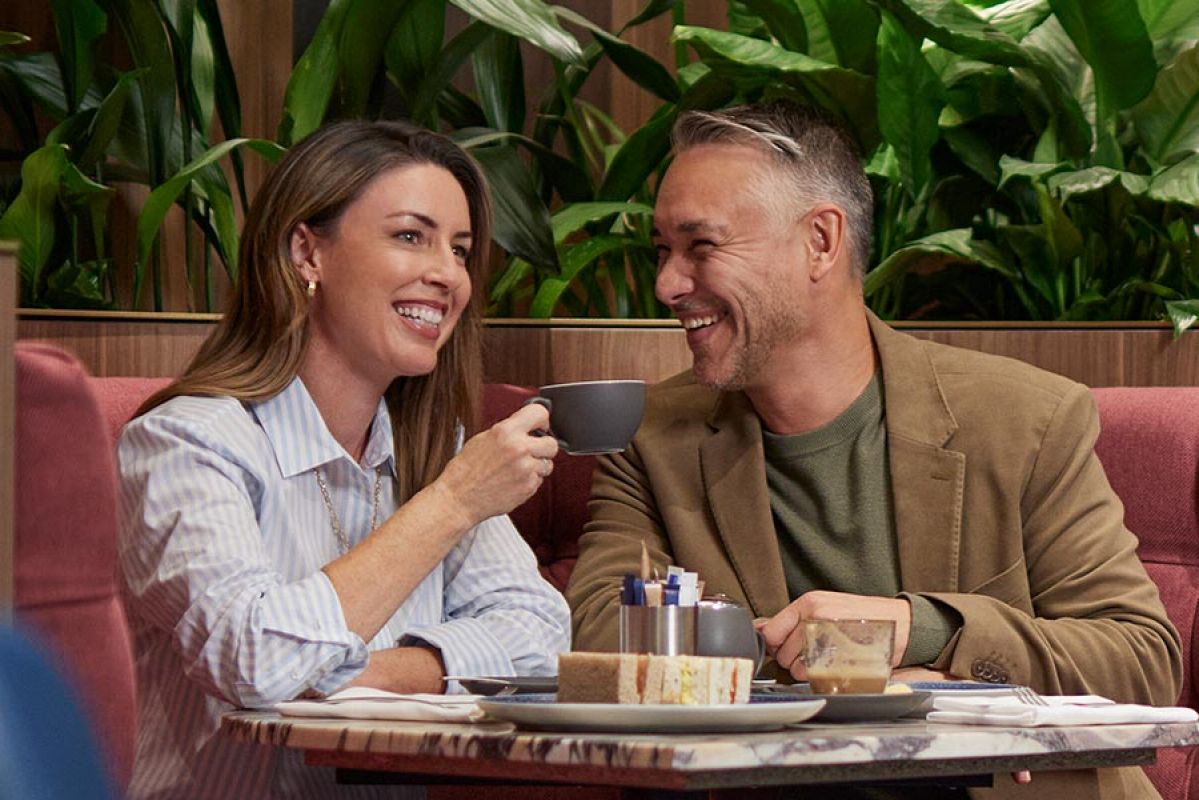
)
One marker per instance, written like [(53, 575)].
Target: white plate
[(543, 712)]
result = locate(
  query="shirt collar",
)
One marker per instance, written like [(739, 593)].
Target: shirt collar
[(301, 440)]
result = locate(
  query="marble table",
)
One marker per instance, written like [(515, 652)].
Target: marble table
[(801, 754)]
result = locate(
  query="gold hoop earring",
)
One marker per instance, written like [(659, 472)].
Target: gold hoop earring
[(312, 288)]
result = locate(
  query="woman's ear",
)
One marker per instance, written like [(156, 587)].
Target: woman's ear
[(825, 239), (303, 250)]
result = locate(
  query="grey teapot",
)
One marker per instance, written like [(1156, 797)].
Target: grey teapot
[(725, 628)]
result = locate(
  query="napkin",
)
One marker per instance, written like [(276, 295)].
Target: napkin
[(1061, 710), (364, 703)]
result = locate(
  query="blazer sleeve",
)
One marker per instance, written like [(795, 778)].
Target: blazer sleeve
[(1098, 625), (623, 515)]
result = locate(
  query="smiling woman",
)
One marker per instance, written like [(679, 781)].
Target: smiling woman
[(298, 514)]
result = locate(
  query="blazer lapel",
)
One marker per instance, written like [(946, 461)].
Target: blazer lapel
[(734, 474), (927, 479)]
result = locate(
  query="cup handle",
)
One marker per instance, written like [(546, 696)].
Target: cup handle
[(548, 405), (761, 651)]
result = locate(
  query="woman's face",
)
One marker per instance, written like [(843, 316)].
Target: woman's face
[(392, 277)]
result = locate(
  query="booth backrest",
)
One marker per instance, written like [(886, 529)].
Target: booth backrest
[(64, 557), (1149, 447)]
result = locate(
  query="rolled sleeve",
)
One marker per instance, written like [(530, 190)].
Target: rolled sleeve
[(501, 617)]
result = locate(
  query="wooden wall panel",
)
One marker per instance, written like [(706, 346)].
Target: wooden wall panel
[(8, 398), (532, 354)]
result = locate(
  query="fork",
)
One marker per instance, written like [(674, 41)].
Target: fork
[(1029, 697)]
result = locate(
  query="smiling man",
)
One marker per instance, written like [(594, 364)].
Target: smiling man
[(815, 463)]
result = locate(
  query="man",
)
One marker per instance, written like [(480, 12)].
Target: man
[(816, 463)]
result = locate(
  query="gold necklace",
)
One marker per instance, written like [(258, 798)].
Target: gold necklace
[(343, 542)]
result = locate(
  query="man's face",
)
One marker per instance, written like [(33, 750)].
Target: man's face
[(730, 264)]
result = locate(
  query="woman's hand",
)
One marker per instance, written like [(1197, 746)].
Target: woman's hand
[(501, 467)]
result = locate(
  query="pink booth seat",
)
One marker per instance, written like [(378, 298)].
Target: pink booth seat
[(65, 568), (1149, 447)]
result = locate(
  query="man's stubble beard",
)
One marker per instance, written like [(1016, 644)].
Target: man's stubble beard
[(779, 325)]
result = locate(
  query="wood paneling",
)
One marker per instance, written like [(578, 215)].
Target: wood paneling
[(533, 354), (8, 398)]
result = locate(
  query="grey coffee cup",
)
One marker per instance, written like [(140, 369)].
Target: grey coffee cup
[(726, 629), (593, 417)]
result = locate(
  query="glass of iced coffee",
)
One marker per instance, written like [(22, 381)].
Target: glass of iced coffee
[(848, 656)]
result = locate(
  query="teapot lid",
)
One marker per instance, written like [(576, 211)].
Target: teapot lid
[(719, 601)]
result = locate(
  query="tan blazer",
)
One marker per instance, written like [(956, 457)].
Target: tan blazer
[(1002, 511)]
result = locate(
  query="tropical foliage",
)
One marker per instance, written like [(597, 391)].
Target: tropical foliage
[(149, 125), (1032, 159)]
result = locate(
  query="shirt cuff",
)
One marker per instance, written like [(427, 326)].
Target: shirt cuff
[(466, 646), (309, 611), (933, 626)]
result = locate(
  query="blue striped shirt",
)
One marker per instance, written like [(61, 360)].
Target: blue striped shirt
[(224, 533)]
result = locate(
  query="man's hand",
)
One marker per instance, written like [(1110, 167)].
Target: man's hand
[(784, 637)]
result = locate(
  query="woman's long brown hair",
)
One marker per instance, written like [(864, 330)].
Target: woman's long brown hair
[(256, 348)]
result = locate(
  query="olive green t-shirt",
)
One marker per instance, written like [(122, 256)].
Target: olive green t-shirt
[(830, 494)]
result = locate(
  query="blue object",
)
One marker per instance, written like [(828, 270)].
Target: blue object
[(47, 750)]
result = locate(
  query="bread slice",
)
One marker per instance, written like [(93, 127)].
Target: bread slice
[(652, 679), (598, 678)]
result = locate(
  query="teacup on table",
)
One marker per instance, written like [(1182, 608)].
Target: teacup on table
[(593, 417), (848, 656)]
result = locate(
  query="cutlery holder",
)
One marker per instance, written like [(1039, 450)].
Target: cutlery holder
[(661, 630)]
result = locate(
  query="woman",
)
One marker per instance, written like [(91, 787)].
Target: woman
[(298, 515)]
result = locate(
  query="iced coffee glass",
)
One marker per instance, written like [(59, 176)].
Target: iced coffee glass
[(848, 656)]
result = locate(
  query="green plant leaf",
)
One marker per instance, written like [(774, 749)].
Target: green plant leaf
[(159, 202), (574, 260), (522, 222), (910, 99), (414, 45), (1168, 119), (783, 20), (361, 42), (203, 73), (79, 24), (1170, 18), (78, 285), (571, 182), (228, 101), (146, 36), (951, 245), (641, 154), (314, 77), (449, 60), (29, 219), (1177, 184), (653, 9), (1183, 314), (959, 28), (839, 89), (636, 64), (572, 217), (10, 38), (1084, 181), (842, 32), (1061, 82), (1010, 167), (78, 192), (499, 76), (532, 21), (1110, 35), (510, 280), (1016, 17)]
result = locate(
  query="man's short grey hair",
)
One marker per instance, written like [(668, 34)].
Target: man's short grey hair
[(816, 154)]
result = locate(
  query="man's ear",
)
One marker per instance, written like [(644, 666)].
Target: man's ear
[(303, 250), (824, 238)]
